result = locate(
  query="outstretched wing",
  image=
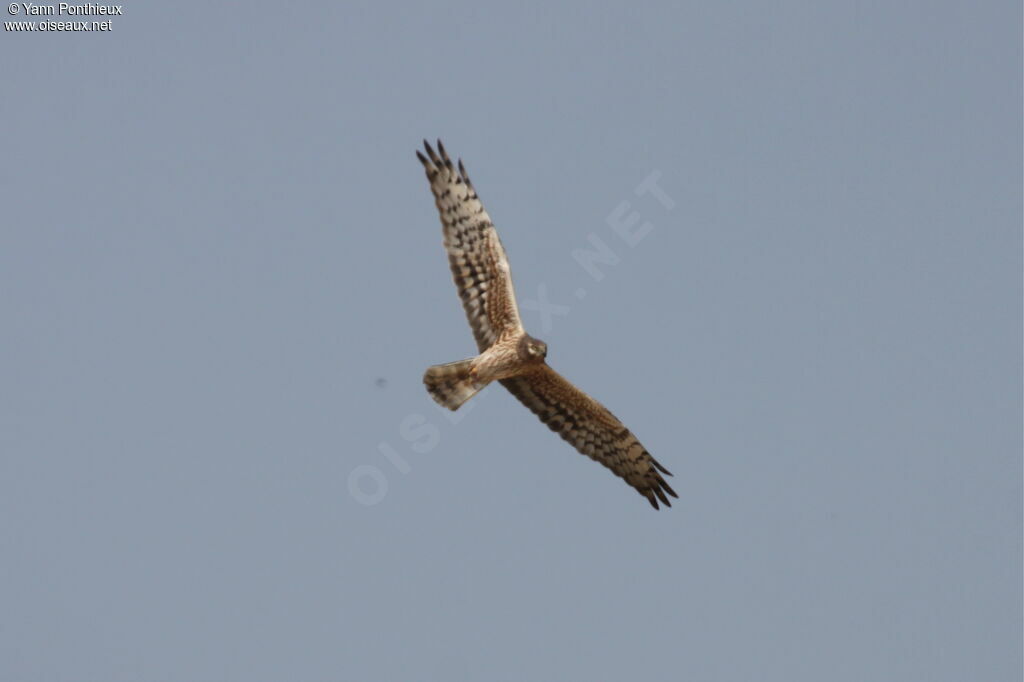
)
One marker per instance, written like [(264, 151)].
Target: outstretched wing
[(475, 253), (591, 429)]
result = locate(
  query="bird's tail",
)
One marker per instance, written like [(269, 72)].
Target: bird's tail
[(451, 384)]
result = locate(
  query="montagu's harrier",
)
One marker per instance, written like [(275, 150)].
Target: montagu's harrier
[(507, 353)]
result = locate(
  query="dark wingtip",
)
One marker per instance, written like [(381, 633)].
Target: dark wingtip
[(660, 468), (422, 158), (656, 492), (669, 490), (445, 159), (431, 153)]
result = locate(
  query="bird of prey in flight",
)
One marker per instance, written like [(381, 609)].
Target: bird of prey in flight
[(507, 353)]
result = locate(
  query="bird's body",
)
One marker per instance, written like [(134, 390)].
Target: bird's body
[(507, 353), (454, 383)]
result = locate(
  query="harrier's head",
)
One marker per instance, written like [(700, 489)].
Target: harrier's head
[(531, 349)]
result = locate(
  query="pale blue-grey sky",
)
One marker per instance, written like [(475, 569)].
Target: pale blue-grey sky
[(222, 278)]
